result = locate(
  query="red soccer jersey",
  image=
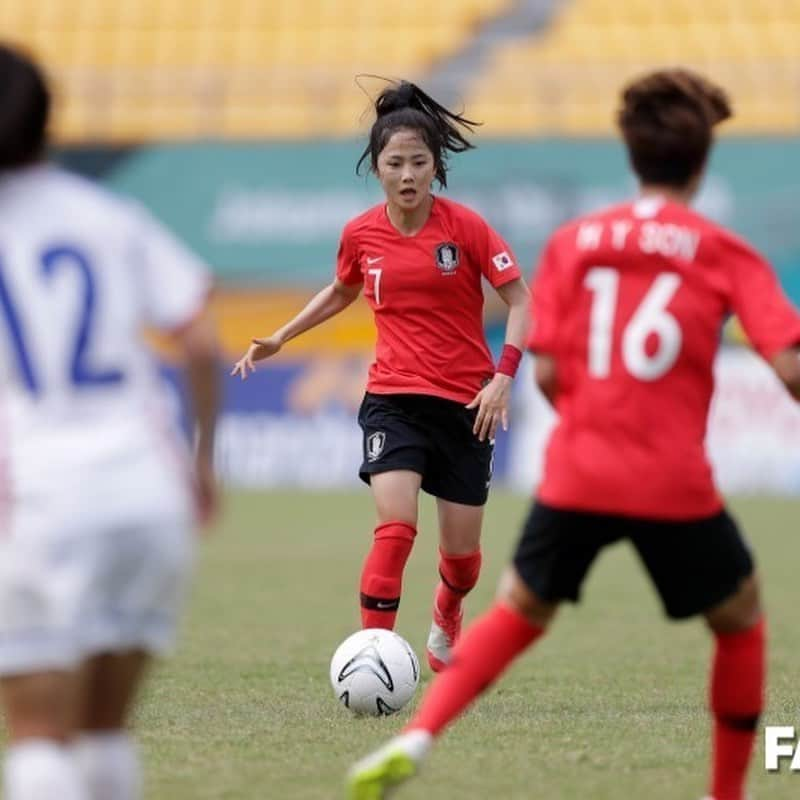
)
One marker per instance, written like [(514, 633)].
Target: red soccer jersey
[(631, 302), (425, 291)]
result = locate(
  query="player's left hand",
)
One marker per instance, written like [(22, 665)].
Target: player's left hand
[(492, 405)]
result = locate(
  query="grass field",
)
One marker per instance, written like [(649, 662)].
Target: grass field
[(610, 705)]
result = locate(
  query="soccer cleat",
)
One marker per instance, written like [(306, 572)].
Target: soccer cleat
[(376, 774), (443, 636)]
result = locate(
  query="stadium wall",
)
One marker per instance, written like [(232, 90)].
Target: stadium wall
[(272, 213)]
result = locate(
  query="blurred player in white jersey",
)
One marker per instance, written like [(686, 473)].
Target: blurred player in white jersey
[(98, 509)]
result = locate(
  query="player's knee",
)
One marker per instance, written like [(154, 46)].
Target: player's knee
[(395, 494), (459, 527), (739, 612), (40, 706), (396, 511), (514, 592), (24, 723)]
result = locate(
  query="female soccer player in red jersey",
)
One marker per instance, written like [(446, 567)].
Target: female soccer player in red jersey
[(434, 398), (627, 308)]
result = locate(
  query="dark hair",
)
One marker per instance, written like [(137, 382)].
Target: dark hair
[(24, 109), (405, 106), (667, 120)]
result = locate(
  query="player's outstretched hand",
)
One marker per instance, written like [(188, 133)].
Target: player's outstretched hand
[(259, 349), (492, 405)]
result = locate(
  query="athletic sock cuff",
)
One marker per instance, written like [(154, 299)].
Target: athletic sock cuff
[(396, 530), (744, 638), (517, 624), (459, 573)]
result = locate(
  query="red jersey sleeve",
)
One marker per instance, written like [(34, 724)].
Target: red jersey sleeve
[(769, 319), (348, 268), (545, 306), (492, 253)]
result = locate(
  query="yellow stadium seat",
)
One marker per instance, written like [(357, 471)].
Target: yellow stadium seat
[(285, 68), (752, 47)]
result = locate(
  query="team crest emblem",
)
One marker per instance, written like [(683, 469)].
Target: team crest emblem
[(447, 257), (375, 445)]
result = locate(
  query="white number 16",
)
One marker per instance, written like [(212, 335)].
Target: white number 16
[(651, 317)]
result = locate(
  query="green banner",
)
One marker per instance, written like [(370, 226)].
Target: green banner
[(272, 213)]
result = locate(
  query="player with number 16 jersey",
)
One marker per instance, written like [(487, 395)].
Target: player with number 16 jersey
[(631, 302)]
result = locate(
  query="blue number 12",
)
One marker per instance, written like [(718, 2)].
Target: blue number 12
[(81, 373)]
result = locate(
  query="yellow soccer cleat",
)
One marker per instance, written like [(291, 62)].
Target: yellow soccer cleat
[(377, 774)]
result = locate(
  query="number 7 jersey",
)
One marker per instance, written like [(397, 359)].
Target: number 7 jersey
[(631, 302), (82, 274), (426, 295)]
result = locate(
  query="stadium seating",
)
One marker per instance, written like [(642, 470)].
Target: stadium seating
[(565, 80), (149, 69), (134, 69)]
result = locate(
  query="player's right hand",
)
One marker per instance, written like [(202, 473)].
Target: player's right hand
[(259, 349)]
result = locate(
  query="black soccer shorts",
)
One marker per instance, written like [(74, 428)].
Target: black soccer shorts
[(428, 435), (694, 565)]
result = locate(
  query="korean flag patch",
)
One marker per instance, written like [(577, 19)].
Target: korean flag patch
[(502, 261)]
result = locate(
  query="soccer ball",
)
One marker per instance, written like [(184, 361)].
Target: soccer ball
[(374, 672)]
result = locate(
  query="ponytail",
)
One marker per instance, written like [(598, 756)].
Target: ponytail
[(406, 106)]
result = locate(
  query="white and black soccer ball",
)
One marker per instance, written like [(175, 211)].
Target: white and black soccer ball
[(374, 672)]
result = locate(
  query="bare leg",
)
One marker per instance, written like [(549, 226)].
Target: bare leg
[(112, 680), (395, 494), (459, 527), (41, 712), (106, 753), (516, 594), (44, 705), (740, 611)]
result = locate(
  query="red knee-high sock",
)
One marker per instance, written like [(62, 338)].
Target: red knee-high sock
[(737, 698), (459, 574), (486, 648), (382, 575)]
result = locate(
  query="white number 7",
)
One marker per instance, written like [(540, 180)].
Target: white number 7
[(651, 317), (377, 274)]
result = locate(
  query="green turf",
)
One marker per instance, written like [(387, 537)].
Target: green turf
[(610, 705)]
